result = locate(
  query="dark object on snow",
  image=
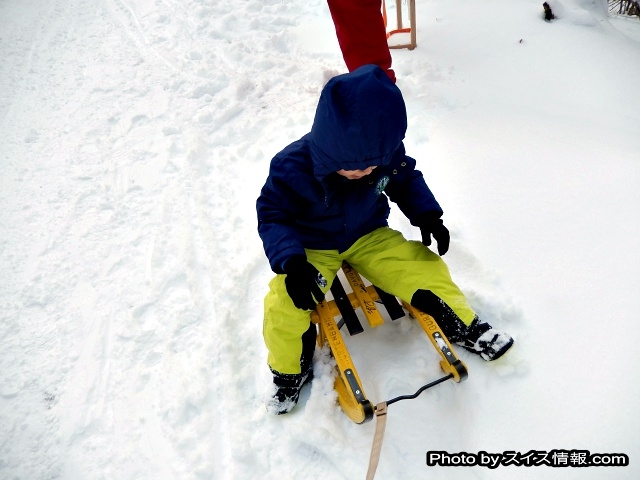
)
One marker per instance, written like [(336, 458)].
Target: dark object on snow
[(548, 14)]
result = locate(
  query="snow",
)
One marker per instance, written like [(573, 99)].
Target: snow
[(135, 138)]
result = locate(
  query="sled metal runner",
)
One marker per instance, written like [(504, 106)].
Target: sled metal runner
[(351, 395)]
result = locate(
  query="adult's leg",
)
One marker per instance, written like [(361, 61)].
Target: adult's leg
[(361, 33)]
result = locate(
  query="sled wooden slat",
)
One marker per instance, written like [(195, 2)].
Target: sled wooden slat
[(362, 294), (346, 308), (394, 309)]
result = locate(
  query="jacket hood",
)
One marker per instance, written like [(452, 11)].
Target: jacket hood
[(360, 121)]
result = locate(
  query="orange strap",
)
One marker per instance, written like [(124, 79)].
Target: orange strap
[(384, 18)]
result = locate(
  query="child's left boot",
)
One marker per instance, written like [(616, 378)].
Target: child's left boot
[(479, 337), (486, 341)]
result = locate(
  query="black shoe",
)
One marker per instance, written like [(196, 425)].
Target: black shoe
[(287, 391), (484, 340)]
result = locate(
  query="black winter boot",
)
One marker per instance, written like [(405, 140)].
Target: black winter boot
[(287, 392), (479, 337), (484, 340)]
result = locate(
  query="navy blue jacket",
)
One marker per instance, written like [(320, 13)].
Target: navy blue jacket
[(360, 121)]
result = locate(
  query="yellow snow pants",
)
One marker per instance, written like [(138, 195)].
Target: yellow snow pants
[(385, 258)]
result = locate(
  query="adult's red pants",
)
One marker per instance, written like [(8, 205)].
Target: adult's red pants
[(361, 33)]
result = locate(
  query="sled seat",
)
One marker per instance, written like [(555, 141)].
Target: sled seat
[(364, 297), (351, 396)]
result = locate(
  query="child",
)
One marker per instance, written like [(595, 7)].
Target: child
[(325, 201)]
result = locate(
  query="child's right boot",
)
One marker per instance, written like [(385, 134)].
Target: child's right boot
[(288, 386), (287, 390)]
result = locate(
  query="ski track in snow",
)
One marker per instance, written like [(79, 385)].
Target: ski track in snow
[(132, 310), (137, 136)]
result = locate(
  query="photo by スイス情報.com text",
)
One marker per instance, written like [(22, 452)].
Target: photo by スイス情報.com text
[(532, 458)]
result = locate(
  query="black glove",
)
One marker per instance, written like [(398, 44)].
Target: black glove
[(430, 225), (303, 282)]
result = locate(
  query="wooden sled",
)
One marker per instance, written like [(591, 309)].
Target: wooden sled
[(400, 29), (351, 396)]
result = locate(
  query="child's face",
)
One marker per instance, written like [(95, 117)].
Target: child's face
[(355, 174)]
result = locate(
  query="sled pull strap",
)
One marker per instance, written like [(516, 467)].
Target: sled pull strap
[(381, 421)]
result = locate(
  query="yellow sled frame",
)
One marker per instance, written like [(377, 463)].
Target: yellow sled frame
[(348, 385)]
